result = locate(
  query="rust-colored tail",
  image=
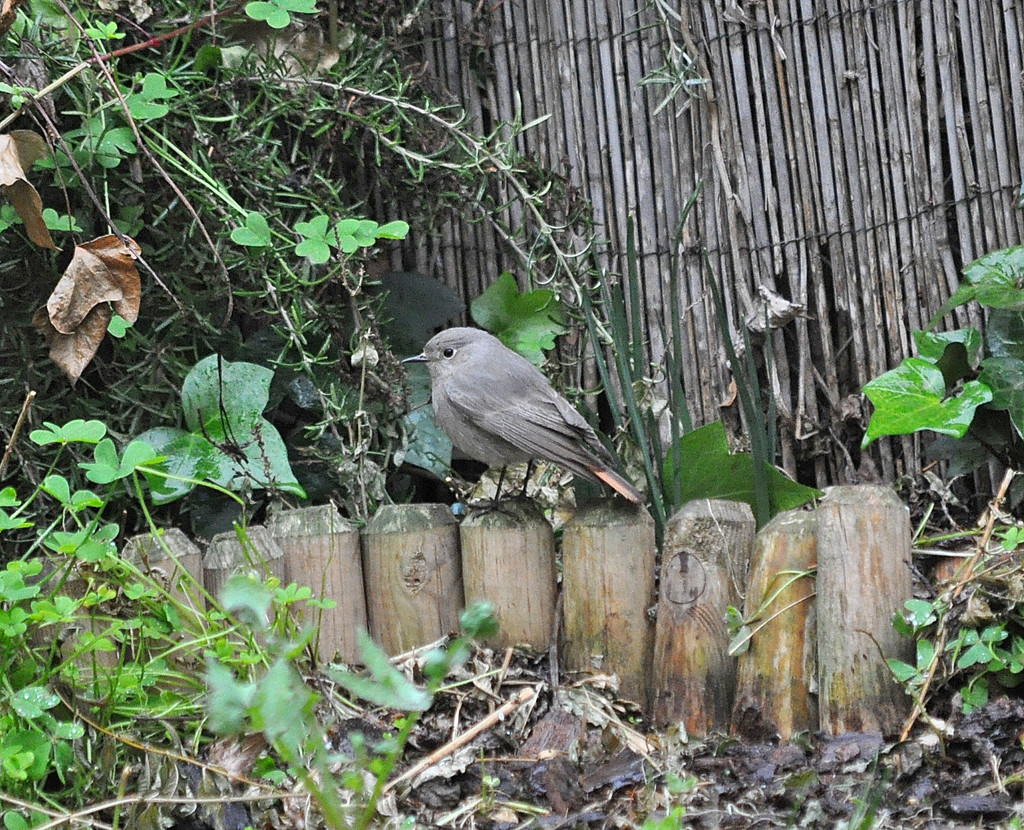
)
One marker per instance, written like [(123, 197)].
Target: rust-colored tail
[(618, 484)]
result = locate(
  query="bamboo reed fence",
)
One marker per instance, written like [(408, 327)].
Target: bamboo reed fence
[(818, 591), (852, 156)]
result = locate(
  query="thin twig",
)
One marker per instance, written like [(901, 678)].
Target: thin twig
[(31, 396), (525, 695)]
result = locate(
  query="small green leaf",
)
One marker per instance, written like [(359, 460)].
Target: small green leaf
[(315, 245), (271, 13), (208, 58), (386, 685), (106, 467), (902, 671), (146, 104), (247, 600), (478, 621), (352, 234), (118, 326), (393, 230), (32, 701), (87, 432), (58, 487), (911, 397), (919, 613), (55, 222), (254, 234), (228, 699)]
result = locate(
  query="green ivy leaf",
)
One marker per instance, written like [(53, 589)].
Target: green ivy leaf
[(223, 403), (911, 397), (995, 280), (527, 323), (1004, 333), (931, 345), (709, 471), (1005, 377), (254, 234)]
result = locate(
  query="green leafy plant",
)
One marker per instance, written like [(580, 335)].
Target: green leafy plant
[(59, 621), (527, 323), (965, 384), (974, 655), (347, 235), (277, 13), (229, 442), (275, 701), (694, 463)]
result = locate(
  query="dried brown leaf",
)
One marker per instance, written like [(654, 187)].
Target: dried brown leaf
[(73, 352), (100, 271), (19, 150), (8, 14)]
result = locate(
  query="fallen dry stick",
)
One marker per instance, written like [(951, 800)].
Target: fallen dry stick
[(450, 747)]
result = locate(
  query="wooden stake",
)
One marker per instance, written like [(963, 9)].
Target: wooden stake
[(508, 558), (608, 553), (704, 559), (413, 579), (322, 551), (864, 578), (167, 560), (226, 556), (776, 673)]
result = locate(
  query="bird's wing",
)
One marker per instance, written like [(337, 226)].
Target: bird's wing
[(541, 423)]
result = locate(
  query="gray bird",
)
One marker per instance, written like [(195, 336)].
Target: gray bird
[(498, 408)]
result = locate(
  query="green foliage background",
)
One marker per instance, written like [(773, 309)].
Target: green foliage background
[(265, 193)]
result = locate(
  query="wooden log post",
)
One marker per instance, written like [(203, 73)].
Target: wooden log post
[(226, 556), (864, 577), (776, 675), (508, 559), (173, 560), (704, 560), (413, 579), (322, 552), (608, 551)]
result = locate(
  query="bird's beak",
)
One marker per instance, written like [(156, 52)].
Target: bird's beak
[(420, 358)]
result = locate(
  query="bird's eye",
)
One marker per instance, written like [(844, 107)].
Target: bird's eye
[(449, 352)]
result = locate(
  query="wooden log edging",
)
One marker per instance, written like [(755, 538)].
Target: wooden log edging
[(323, 553), (508, 559), (407, 588), (703, 571), (777, 674), (608, 556)]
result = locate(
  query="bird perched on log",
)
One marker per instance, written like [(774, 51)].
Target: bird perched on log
[(498, 408)]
